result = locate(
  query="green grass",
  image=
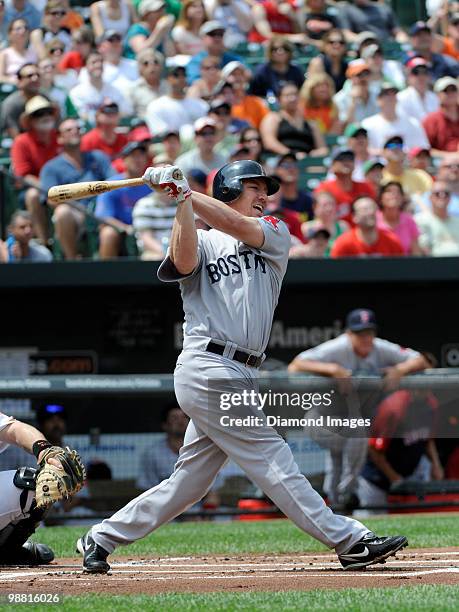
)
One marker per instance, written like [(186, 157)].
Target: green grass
[(235, 537), (401, 599)]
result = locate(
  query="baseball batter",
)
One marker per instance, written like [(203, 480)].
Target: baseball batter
[(230, 278)]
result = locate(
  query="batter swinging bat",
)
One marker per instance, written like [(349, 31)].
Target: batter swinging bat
[(78, 191)]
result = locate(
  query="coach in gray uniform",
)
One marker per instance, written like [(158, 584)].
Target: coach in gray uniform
[(357, 351), (230, 278)]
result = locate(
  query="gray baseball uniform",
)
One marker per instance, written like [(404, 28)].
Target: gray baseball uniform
[(229, 298), (348, 454)]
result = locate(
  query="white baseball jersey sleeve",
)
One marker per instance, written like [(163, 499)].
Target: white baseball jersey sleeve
[(4, 421), (233, 291)]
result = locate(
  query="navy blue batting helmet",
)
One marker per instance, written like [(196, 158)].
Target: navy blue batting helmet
[(227, 185)]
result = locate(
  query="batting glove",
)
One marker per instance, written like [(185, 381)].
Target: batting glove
[(169, 179)]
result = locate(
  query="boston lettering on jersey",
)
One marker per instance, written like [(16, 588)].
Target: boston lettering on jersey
[(228, 265)]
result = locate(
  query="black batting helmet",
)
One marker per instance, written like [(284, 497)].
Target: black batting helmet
[(227, 185)]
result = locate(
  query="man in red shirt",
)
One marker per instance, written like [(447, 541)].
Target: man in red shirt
[(365, 239), (30, 151), (342, 187), (104, 136), (442, 126)]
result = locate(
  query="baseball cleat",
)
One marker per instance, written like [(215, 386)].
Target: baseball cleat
[(30, 553), (94, 556), (371, 549)]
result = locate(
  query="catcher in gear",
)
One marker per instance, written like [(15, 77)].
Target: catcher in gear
[(27, 493)]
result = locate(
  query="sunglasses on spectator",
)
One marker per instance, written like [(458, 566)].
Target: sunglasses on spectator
[(394, 145), (56, 50), (114, 39), (73, 128), (441, 193), (222, 112), (450, 89), (207, 133), (254, 139), (216, 34), (43, 112), (417, 71), (212, 67), (336, 41), (281, 48), (288, 165), (58, 13), (29, 75)]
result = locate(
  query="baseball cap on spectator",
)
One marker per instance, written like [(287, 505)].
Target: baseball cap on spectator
[(372, 163), (204, 122), (174, 68), (209, 26), (133, 146), (36, 104), (240, 149), (47, 411), (318, 231), (218, 103), (342, 153), (387, 88), (284, 157), (149, 6), (419, 26), (415, 62), (231, 67), (371, 51), (393, 140), (109, 108), (110, 33), (140, 134), (354, 129), (443, 83), (356, 67), (415, 151), (364, 37), (360, 319)]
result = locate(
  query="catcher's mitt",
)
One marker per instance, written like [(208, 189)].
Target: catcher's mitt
[(55, 483)]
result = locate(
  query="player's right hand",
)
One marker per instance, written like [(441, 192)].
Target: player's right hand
[(169, 179)]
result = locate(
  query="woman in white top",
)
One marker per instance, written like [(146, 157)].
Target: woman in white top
[(17, 53), (111, 15), (186, 33)]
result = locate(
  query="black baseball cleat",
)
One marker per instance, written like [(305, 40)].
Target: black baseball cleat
[(95, 557), (30, 553), (371, 549)]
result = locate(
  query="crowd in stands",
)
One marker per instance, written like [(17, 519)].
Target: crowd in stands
[(357, 117)]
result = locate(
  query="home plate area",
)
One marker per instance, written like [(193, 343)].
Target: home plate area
[(237, 573)]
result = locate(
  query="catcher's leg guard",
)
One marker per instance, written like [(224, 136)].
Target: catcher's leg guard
[(14, 548)]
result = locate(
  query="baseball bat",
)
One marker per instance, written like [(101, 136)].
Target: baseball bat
[(77, 191)]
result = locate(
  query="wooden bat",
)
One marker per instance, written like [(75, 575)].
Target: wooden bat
[(77, 191)]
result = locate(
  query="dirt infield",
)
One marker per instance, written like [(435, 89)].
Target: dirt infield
[(238, 573)]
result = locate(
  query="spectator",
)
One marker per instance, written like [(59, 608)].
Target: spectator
[(235, 16), (391, 217), (245, 106), (175, 111), (287, 131), (205, 86), (420, 159), (119, 71), (111, 15), (318, 19), (367, 16), (212, 34), (291, 219), (30, 151), (412, 181), (203, 155), (152, 30), (14, 105), (448, 172), (325, 217), (227, 131), (366, 239), (269, 78), (116, 206), (357, 351), (388, 122), (89, 95), (82, 44), (19, 245), (382, 70), (149, 86), (417, 100), (22, 9), (317, 101), (272, 17), (292, 198), (439, 230), (442, 126), (358, 102), (157, 462), (185, 33), (225, 93), (105, 137), (373, 172), (343, 187), (332, 60), (52, 422), (72, 166), (17, 53), (49, 87), (170, 146), (251, 138), (357, 141), (54, 13), (422, 44), (450, 44), (401, 434), (317, 246)]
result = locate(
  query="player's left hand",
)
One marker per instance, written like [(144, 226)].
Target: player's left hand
[(392, 378), (169, 179)]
